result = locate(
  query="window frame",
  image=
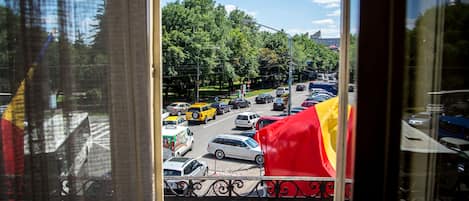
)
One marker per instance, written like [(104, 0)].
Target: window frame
[(378, 130)]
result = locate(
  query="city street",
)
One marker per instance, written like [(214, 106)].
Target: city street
[(224, 124)]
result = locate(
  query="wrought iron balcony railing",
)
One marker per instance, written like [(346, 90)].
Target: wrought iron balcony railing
[(313, 188)]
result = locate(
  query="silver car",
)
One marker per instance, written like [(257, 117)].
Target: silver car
[(182, 166), (178, 108), (236, 146)]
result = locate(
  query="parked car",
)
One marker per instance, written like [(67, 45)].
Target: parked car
[(246, 120), (279, 104), (316, 98), (249, 133), (239, 103), (281, 91), (235, 146), (420, 120), (264, 98), (221, 107), (309, 103), (300, 87), (175, 120), (164, 114), (266, 120), (201, 112), (181, 166), (178, 108), (323, 95)]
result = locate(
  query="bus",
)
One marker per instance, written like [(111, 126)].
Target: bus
[(330, 87)]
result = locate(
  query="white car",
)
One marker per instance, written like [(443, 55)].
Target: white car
[(246, 120), (280, 91), (235, 146), (181, 166)]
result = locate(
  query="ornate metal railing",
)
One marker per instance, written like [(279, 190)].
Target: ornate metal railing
[(312, 188)]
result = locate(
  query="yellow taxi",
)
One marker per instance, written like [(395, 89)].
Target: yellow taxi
[(201, 112), (175, 121)]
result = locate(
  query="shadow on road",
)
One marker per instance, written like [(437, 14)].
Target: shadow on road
[(230, 160)]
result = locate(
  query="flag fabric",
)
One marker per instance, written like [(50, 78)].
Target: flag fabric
[(12, 129), (304, 145)]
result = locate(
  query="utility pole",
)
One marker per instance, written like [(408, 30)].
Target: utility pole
[(197, 83), (290, 69), (290, 63)]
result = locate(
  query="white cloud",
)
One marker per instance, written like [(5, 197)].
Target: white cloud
[(324, 21), (328, 3), (334, 13), (229, 8)]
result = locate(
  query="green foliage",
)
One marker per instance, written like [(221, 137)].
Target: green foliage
[(228, 47)]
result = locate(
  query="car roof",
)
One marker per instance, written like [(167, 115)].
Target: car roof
[(170, 131), (172, 118), (455, 141), (246, 113), (233, 137), (271, 118), (176, 163)]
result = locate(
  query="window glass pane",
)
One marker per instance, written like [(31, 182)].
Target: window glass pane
[(214, 51), (436, 104), (68, 79)]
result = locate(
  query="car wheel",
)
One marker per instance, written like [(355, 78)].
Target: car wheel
[(219, 154), (259, 160), (214, 116)]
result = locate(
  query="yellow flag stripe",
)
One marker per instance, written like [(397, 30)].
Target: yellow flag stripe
[(15, 110), (328, 112)]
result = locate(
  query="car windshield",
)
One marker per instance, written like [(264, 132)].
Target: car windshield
[(169, 123), (173, 105), (278, 100), (194, 110), (168, 172), (215, 104), (251, 143), (242, 117)]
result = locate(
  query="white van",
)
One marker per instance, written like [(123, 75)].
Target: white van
[(177, 140)]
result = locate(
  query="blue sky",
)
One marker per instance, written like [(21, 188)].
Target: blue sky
[(294, 16)]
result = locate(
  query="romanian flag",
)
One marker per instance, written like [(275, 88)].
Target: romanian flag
[(12, 126), (12, 130), (305, 145)]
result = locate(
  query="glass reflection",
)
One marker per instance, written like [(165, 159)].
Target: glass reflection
[(434, 154), (54, 103)]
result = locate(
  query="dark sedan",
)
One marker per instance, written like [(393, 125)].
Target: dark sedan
[(278, 104), (264, 98), (222, 108), (239, 103), (300, 87)]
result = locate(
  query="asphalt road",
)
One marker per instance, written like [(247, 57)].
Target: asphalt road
[(224, 124)]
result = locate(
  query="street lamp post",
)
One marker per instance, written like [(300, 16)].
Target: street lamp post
[(290, 63)]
